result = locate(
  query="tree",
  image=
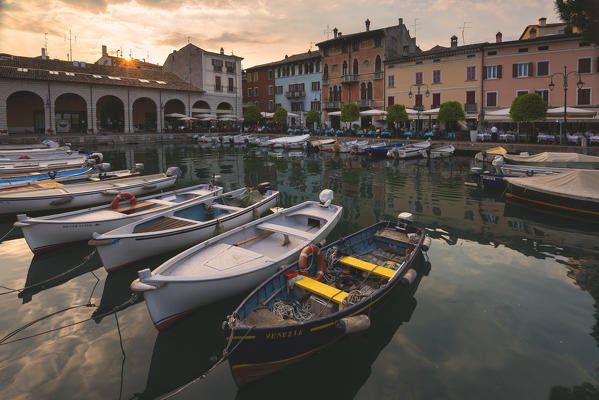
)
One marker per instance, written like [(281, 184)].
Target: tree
[(350, 112), (451, 112), (527, 108), (583, 14), (312, 117), (396, 113), (280, 116), (252, 115)]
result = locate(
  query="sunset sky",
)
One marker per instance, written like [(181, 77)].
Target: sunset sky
[(258, 30)]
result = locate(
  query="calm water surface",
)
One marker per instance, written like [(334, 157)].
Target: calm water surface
[(508, 310)]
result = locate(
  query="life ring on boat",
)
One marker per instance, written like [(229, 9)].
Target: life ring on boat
[(530, 173), (123, 196), (24, 158), (52, 174), (303, 261)]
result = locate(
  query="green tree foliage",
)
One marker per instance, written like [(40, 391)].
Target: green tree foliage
[(450, 112), (528, 107), (350, 112), (312, 117), (252, 115), (583, 14), (280, 116), (397, 113)]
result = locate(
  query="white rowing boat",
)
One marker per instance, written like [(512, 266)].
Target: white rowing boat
[(410, 151), (43, 145), (234, 262), (45, 165), (181, 227), (34, 153), (48, 232), (290, 142), (440, 152), (82, 194)]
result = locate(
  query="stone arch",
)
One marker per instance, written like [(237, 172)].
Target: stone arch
[(70, 111), (201, 107), (355, 70), (110, 114), (143, 114), (224, 108), (25, 112)]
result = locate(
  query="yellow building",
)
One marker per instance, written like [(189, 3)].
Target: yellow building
[(426, 80)]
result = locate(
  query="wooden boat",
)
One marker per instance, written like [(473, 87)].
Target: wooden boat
[(41, 176), (576, 191), (68, 180), (81, 194), (40, 166), (441, 152), (381, 149), (301, 309), (489, 154), (318, 145), (554, 159), (48, 232), (181, 227), (410, 151), (234, 262)]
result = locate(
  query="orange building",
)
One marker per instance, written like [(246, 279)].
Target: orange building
[(353, 67)]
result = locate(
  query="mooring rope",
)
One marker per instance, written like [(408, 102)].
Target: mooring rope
[(7, 233)]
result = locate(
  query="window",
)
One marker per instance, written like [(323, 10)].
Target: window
[(521, 92), (256, 76), (300, 69), (584, 96), (257, 104), (279, 89), (277, 105), (344, 48), (470, 97), (297, 106), (520, 70), (335, 68), (391, 81), (437, 76), (230, 87), (471, 73), (271, 90), (315, 86), (542, 68), (230, 66), (390, 100), (418, 78), (325, 73), (436, 100), (356, 45), (325, 52), (249, 77), (355, 68), (271, 75), (418, 100), (492, 53), (315, 105), (543, 48), (584, 65), (271, 105), (53, 72), (544, 93), (523, 50), (584, 44), (279, 72), (491, 99), (344, 68), (492, 72), (377, 42), (217, 84), (217, 65), (317, 66), (255, 92), (249, 92)]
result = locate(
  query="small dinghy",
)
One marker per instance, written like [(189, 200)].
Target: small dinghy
[(40, 166), (43, 145), (441, 152), (410, 151), (48, 232), (380, 151), (308, 305), (183, 226), (234, 262), (82, 194), (16, 154), (489, 154), (290, 142)]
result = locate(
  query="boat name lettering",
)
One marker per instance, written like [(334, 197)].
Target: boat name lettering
[(283, 335), (68, 226)]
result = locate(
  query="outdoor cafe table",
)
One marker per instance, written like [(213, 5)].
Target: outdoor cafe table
[(541, 137), (507, 137), (483, 137)]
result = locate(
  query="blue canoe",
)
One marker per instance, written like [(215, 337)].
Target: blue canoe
[(297, 312)]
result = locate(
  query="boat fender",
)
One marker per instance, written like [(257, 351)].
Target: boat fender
[(111, 192), (104, 167), (138, 167), (219, 227), (409, 277), (255, 214), (357, 323), (303, 261), (123, 196), (326, 197), (62, 201), (173, 171), (426, 244)]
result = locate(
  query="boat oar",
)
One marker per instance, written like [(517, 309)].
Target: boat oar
[(263, 234)]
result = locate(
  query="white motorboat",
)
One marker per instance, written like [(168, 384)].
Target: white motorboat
[(68, 179), (23, 166), (234, 262), (318, 145), (34, 153), (440, 152), (48, 232), (82, 194), (290, 142), (410, 151), (182, 227), (347, 147), (43, 145), (362, 147)]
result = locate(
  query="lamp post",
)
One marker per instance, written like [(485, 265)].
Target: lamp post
[(579, 85), (427, 94)]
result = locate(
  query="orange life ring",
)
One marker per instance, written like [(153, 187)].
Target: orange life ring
[(24, 158), (123, 196), (303, 261)]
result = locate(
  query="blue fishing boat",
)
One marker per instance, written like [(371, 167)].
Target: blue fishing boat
[(380, 151), (307, 306)]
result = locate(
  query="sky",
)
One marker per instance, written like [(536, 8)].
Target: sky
[(260, 31)]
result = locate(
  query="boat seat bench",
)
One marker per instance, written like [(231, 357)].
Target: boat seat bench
[(321, 289), (368, 267), (138, 205), (285, 230), (165, 224)]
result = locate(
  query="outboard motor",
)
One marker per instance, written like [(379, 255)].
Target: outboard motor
[(104, 167), (97, 157), (173, 171), (138, 167), (498, 162), (404, 220), (476, 170), (263, 187), (326, 197)]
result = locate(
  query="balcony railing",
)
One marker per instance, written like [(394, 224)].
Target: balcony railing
[(295, 94), (328, 105), (231, 89), (217, 68), (365, 103), (435, 106), (350, 78), (470, 108), (218, 88), (378, 75), (418, 107), (325, 81)]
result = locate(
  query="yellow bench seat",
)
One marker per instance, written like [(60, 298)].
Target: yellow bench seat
[(368, 267), (321, 289)]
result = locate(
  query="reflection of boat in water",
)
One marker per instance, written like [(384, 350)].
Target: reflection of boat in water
[(45, 267), (353, 355), (116, 292)]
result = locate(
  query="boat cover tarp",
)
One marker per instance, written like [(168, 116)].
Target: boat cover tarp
[(553, 157), (577, 184)]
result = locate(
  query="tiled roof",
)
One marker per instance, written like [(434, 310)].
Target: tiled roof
[(293, 58), (16, 67), (339, 39), (438, 51)]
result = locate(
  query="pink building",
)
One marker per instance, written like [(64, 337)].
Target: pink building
[(524, 66)]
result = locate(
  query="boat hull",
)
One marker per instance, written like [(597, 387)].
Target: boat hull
[(553, 201)]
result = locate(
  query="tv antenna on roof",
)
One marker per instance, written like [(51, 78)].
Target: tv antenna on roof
[(463, 28), (328, 31), (46, 43), (70, 55), (415, 25)]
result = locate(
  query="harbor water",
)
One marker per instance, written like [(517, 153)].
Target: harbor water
[(508, 309)]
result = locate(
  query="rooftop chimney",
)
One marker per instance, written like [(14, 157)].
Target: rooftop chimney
[(104, 52), (222, 51), (498, 37), (339, 34), (454, 41), (400, 21), (542, 21), (335, 30), (367, 22), (43, 53)]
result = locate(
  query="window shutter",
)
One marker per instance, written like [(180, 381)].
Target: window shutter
[(531, 69), (499, 72), (485, 73), (514, 70)]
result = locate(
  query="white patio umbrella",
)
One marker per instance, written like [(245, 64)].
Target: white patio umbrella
[(559, 111), (335, 114), (373, 113), (187, 119), (267, 114), (292, 115), (200, 110), (175, 115)]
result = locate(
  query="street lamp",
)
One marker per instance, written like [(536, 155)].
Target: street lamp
[(551, 85), (427, 94)]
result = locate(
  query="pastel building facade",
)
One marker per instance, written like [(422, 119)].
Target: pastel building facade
[(259, 87)]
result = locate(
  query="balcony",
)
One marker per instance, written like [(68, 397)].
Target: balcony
[(231, 89), (217, 68), (218, 88), (350, 78), (435, 106), (378, 75), (365, 103), (325, 81), (332, 105), (471, 108), (295, 94), (418, 107)]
